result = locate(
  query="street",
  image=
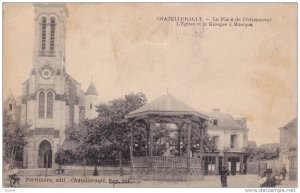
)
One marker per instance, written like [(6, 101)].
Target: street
[(238, 181)]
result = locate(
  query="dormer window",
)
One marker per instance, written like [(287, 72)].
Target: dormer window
[(215, 122), (10, 107)]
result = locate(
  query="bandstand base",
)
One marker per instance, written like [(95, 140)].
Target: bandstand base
[(166, 174)]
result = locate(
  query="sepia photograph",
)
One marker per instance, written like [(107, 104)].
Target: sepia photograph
[(150, 95)]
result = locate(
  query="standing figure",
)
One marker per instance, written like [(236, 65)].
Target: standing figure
[(223, 175), (283, 172)]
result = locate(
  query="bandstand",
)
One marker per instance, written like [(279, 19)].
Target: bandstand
[(177, 163)]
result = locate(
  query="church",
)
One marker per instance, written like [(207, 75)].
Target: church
[(51, 98)]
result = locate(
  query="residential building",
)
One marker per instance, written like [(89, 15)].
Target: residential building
[(230, 136), (288, 148)]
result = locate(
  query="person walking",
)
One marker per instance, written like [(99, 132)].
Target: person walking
[(283, 172), (223, 176)]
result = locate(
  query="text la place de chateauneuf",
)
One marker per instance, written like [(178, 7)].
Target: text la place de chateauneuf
[(214, 21)]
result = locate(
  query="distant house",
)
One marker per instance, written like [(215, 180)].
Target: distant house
[(288, 148)]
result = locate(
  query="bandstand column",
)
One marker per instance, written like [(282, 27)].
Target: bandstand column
[(188, 152), (130, 124), (179, 141), (179, 125), (201, 128), (150, 141), (150, 122), (147, 140), (201, 140)]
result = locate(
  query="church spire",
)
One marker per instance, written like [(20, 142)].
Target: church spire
[(91, 89)]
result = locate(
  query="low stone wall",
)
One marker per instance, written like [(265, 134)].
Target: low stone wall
[(74, 171), (253, 167), (144, 173), (36, 172)]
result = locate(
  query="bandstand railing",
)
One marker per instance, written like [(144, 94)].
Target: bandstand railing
[(166, 168), (159, 161)]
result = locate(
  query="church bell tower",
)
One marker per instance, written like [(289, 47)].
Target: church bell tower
[(44, 99), (49, 39)]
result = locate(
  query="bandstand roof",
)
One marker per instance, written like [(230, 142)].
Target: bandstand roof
[(166, 105)]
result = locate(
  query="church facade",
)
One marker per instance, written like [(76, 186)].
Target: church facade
[(51, 98)]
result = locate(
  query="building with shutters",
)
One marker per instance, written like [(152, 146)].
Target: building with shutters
[(230, 137)]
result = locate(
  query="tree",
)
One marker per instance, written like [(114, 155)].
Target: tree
[(105, 139), (251, 152), (275, 153), (65, 156), (208, 142), (111, 125), (14, 138), (85, 144)]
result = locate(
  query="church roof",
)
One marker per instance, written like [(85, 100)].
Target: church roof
[(69, 77), (166, 105), (91, 90)]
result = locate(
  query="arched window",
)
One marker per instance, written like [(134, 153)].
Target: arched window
[(43, 33), (41, 104), (49, 105), (52, 34)]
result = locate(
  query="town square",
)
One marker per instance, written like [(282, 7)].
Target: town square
[(109, 96)]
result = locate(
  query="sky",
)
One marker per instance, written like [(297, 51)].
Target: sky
[(248, 72)]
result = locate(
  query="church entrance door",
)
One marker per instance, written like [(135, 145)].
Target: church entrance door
[(45, 155)]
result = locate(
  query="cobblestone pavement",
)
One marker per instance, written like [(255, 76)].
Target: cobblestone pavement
[(238, 181)]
